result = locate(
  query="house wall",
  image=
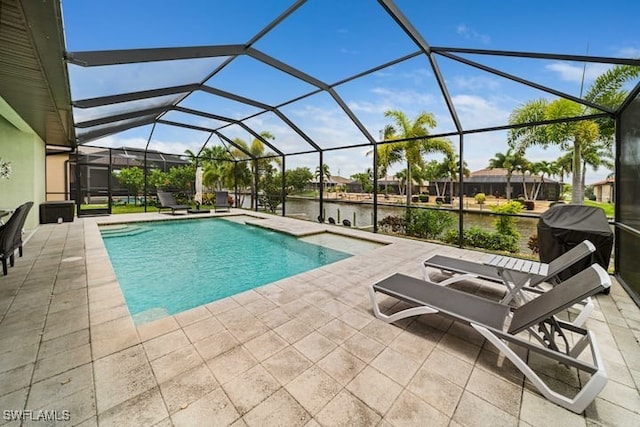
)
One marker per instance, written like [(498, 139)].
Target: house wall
[(548, 191), (604, 193), (26, 151), (58, 177)]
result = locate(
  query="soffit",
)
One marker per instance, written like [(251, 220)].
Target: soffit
[(33, 76)]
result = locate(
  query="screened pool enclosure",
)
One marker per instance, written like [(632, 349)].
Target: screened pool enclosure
[(189, 98)]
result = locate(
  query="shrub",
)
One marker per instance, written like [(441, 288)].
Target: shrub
[(208, 199), (480, 198), (428, 224), (392, 224), (478, 238), (504, 223), (423, 198)]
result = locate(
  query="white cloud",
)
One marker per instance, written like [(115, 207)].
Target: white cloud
[(369, 107), (573, 72), (629, 52), (475, 83), (470, 33), (478, 112), (115, 79), (346, 51), (407, 97)]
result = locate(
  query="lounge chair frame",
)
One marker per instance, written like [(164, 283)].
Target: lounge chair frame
[(518, 280), (491, 320), (167, 201)]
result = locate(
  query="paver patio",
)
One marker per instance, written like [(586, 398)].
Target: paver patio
[(305, 350)]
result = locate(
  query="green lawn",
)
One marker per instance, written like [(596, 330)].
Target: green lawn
[(608, 208), (125, 209)]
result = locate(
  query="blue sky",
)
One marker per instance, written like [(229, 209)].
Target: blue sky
[(332, 40)]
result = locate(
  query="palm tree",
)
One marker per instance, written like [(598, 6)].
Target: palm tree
[(563, 165), (607, 90), (511, 161), (524, 166), (402, 180), (259, 161), (323, 172), (449, 169), (541, 168), (215, 160), (418, 145), (595, 155), (387, 153)]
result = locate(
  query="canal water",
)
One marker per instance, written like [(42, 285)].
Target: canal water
[(361, 216)]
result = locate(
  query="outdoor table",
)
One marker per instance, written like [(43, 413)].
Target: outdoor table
[(507, 265)]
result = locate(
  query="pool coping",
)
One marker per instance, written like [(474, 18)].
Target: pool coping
[(264, 221)]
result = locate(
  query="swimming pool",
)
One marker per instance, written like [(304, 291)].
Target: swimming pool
[(170, 266)]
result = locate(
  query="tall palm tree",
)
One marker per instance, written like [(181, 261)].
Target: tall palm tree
[(524, 166), (323, 172), (412, 151), (596, 155), (402, 180), (540, 168), (607, 90), (563, 165), (259, 160), (215, 160), (569, 135), (511, 161), (449, 169), (387, 153)]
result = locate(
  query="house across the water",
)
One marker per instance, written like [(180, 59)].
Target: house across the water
[(493, 182)]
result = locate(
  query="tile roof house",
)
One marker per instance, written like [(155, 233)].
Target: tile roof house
[(604, 190), (493, 182)]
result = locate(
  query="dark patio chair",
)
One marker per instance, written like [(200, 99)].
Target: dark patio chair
[(222, 201), (166, 201), (11, 235)]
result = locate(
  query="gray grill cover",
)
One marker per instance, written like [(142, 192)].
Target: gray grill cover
[(562, 227)]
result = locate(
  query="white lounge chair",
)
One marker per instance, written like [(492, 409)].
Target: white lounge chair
[(501, 324), (516, 274)]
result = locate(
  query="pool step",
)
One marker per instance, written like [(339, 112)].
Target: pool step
[(123, 230)]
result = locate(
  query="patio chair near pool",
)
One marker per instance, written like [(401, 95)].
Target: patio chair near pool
[(516, 274), (502, 326), (11, 235), (222, 201), (167, 201)]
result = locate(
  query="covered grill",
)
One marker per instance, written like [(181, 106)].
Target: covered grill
[(564, 226)]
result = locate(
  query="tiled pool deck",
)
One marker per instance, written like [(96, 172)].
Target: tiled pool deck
[(302, 351)]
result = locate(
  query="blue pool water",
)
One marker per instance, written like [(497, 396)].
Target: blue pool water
[(171, 266)]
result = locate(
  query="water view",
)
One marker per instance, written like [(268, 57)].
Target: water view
[(361, 216)]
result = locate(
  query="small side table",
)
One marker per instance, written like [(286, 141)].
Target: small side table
[(506, 265)]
